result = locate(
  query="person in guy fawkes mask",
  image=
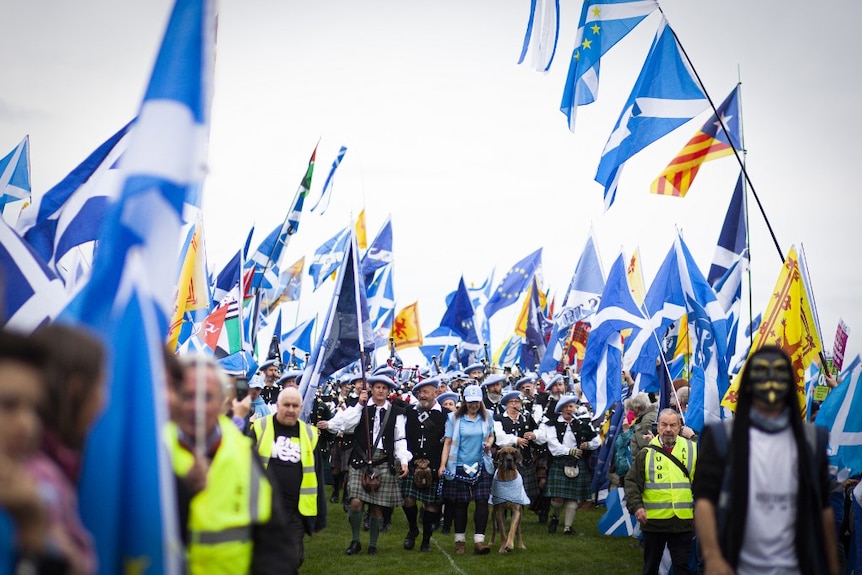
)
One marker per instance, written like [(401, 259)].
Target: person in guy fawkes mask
[(761, 488)]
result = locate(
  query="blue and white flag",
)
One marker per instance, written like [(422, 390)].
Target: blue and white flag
[(379, 253), (326, 193), (665, 96), (535, 327), (603, 23), (440, 344), (266, 259), (617, 521), (230, 274), (15, 174), (298, 342), (509, 353), (479, 295), (514, 283), (728, 289), (460, 317), (732, 241), (848, 369), (543, 31), (839, 413), (30, 292), (345, 331), (381, 305), (601, 371), (127, 487), (70, 214), (328, 257)]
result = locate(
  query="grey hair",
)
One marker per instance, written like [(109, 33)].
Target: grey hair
[(671, 411), (639, 403), (190, 361)]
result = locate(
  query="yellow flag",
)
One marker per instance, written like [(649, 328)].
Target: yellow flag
[(788, 322), (405, 328), (192, 291), (635, 275), (361, 237)]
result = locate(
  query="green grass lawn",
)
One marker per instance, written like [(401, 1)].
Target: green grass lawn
[(586, 553)]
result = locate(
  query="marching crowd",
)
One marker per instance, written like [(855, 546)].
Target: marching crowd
[(251, 476)]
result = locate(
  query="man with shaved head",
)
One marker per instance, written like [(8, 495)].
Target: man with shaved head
[(288, 449)]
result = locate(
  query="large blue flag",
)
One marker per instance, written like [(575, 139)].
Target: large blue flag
[(297, 342), (839, 413), (728, 289), (345, 332), (328, 257), (603, 23), (514, 283), (379, 253), (15, 174), (326, 193), (459, 314), (381, 305), (30, 292), (732, 241), (665, 96), (70, 214), (533, 346), (601, 371), (127, 494), (440, 345)]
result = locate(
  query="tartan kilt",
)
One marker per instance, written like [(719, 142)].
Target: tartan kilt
[(576, 489), (531, 484), (389, 494), (427, 495), (462, 492)]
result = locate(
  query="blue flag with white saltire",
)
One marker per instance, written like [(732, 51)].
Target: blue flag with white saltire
[(479, 296), (297, 342), (601, 482), (15, 174), (728, 289), (440, 344), (328, 257), (379, 253), (543, 32), (603, 23), (665, 96), (326, 193), (509, 353), (345, 331), (601, 371), (70, 214), (732, 241), (381, 305), (617, 521), (839, 413), (127, 490), (30, 292), (513, 284), (266, 258)]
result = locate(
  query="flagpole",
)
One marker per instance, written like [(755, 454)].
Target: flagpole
[(747, 225), (729, 139), (810, 293)]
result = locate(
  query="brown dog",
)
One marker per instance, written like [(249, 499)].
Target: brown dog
[(507, 470)]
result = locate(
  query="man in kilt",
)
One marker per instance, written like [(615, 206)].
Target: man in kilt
[(545, 404), (342, 444), (426, 427), (569, 440), (516, 428), (379, 450)]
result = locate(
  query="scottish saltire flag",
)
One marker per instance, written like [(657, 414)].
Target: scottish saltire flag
[(479, 297), (733, 240), (30, 292), (848, 369), (326, 193), (439, 344), (344, 332), (70, 214), (15, 174), (543, 31), (379, 252), (709, 143), (603, 23), (381, 305), (839, 413), (296, 343), (328, 257), (514, 283), (601, 371), (728, 289), (617, 521), (127, 487), (665, 96), (460, 317)]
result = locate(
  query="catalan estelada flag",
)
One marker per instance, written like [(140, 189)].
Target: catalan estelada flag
[(789, 323), (710, 142)]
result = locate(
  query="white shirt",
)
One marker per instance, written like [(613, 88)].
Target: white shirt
[(347, 420)]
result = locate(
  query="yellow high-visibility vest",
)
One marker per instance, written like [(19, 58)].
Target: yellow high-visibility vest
[(667, 491), (264, 431), (237, 496)]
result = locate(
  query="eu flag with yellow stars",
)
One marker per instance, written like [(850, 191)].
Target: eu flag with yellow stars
[(514, 283)]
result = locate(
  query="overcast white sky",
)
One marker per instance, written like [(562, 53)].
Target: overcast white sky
[(466, 150)]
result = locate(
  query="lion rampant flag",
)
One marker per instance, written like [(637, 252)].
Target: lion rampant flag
[(405, 328), (788, 323)]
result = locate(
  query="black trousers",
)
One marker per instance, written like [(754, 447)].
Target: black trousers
[(679, 546)]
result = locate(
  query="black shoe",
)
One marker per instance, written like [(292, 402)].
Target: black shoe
[(543, 517), (426, 546), (568, 531), (410, 540), (354, 548), (445, 530), (552, 524), (333, 498), (372, 550)]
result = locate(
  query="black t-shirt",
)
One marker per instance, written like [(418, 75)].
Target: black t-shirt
[(285, 464)]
